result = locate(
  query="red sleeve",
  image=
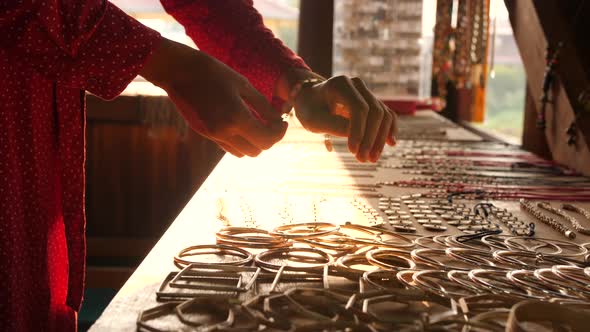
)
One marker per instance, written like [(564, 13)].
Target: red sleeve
[(233, 32), (86, 44)]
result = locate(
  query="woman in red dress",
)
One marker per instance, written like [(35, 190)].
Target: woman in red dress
[(52, 51)]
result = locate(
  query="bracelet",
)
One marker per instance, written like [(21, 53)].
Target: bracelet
[(497, 282), (548, 277), (238, 236), (422, 256), (429, 242), (345, 264), (382, 279), (528, 280), (317, 262), (472, 256), (438, 282), (297, 87), (390, 259), (572, 273), (560, 245), (217, 249), (461, 278), (537, 260), (306, 230)]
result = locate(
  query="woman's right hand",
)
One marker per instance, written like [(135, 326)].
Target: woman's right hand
[(214, 99)]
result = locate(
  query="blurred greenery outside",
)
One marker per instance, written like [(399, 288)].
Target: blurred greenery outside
[(505, 99)]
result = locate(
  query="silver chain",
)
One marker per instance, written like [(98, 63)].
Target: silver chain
[(575, 223), (551, 222)]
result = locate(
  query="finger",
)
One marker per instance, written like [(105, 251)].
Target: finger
[(243, 146), (259, 103), (341, 93), (392, 138), (255, 132), (382, 135), (230, 149), (374, 120), (327, 123)]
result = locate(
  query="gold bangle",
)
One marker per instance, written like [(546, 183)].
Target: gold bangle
[(297, 87), (237, 236), (383, 258), (311, 230), (245, 256), (322, 258)]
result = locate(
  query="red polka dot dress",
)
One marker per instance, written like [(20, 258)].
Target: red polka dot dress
[(51, 52)]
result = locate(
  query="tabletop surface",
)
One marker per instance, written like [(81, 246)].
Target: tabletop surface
[(289, 181)]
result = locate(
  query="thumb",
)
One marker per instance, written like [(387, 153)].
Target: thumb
[(256, 132), (263, 109)]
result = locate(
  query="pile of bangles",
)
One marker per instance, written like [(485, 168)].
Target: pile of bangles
[(327, 277)]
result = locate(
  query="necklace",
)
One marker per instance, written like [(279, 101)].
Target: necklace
[(551, 222), (575, 223)]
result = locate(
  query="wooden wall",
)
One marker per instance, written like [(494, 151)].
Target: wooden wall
[(139, 175)]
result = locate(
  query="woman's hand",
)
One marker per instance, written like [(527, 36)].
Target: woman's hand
[(344, 107), (214, 99)]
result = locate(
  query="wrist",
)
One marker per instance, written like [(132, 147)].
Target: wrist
[(292, 82), (292, 77), (165, 64)]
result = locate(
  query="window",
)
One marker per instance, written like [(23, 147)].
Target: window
[(381, 42), (505, 100), (281, 16)]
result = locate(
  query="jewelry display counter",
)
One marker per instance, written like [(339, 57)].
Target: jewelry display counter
[(444, 232)]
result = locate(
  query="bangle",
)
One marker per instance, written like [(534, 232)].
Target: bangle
[(572, 273), (578, 250), (345, 264), (462, 278), (528, 280), (383, 279), (377, 234), (430, 242), (306, 230), (516, 259), (497, 282), (244, 257), (315, 262), (297, 87), (238, 236), (472, 256), (424, 256), (548, 277), (438, 282), (390, 259)]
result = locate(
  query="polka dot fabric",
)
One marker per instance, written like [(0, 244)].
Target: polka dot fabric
[(234, 32), (50, 52)]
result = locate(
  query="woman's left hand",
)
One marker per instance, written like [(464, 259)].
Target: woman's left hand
[(343, 106)]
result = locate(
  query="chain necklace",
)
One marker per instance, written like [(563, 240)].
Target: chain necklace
[(575, 223), (551, 222)]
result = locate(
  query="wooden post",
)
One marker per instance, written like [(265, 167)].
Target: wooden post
[(537, 24), (316, 22)]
